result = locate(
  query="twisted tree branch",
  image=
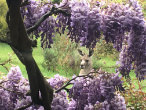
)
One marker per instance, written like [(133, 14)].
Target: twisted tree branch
[(22, 46), (45, 16)]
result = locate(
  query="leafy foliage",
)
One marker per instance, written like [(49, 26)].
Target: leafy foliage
[(50, 59), (3, 25), (103, 49), (134, 97), (62, 54)]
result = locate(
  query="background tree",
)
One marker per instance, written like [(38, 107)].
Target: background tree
[(3, 24)]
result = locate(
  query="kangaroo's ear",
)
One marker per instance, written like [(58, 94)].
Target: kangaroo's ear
[(91, 51), (80, 52)]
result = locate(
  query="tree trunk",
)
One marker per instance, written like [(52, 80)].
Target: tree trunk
[(22, 46)]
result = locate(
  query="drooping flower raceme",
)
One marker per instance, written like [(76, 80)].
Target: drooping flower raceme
[(84, 23), (85, 94)]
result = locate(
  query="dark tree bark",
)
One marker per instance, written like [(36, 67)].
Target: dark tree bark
[(22, 46)]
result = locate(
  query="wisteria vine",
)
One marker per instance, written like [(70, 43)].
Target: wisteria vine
[(87, 93), (86, 22)]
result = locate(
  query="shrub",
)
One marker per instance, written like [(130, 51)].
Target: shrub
[(104, 49), (50, 59), (3, 24), (135, 97), (65, 55)]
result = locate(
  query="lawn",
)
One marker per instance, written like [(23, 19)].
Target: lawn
[(106, 63), (6, 52)]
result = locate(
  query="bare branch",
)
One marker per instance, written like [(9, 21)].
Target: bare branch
[(37, 24), (11, 90), (4, 41), (45, 16), (63, 11), (25, 3), (15, 50), (3, 64), (17, 92), (25, 106), (3, 81), (5, 67), (69, 82)]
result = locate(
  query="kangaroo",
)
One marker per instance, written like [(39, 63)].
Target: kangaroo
[(86, 62)]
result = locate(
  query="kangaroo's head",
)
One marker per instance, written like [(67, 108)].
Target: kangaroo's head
[(86, 62)]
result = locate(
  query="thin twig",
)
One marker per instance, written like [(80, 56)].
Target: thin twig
[(109, 67), (4, 41), (25, 3), (21, 108), (5, 62), (25, 106), (6, 68), (4, 81), (11, 90), (69, 82), (15, 50)]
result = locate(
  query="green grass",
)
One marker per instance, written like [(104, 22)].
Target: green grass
[(106, 63), (6, 51)]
